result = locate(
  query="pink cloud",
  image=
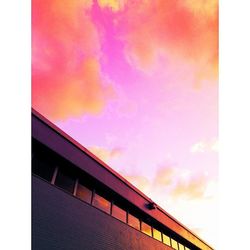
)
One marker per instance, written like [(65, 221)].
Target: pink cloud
[(184, 32), (67, 78)]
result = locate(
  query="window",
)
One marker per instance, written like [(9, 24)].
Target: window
[(181, 247), (119, 213), (43, 168), (65, 180), (157, 234), (83, 193), (166, 240), (133, 221), (174, 244), (44, 165), (101, 203), (145, 228)]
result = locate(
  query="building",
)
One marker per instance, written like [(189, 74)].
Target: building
[(79, 202)]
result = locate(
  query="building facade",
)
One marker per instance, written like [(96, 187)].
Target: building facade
[(79, 202)]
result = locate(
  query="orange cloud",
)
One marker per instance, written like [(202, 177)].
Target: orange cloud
[(115, 5), (202, 7), (165, 176), (105, 154), (139, 181), (182, 31), (193, 189), (179, 183), (66, 75)]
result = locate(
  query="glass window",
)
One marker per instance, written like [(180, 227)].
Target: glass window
[(65, 180), (166, 240), (174, 244), (101, 203), (119, 213), (83, 193), (157, 234), (43, 168), (145, 228), (181, 247), (133, 221)]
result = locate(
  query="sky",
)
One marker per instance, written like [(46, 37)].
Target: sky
[(136, 82)]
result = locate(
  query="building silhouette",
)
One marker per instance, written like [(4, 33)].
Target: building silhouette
[(79, 202)]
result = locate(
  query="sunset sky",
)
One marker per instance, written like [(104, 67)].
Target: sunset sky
[(136, 83)]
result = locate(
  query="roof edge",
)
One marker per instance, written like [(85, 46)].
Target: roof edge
[(105, 165)]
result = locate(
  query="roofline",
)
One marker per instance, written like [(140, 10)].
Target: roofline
[(107, 167)]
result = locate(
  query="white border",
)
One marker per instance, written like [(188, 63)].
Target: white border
[(15, 58), (234, 124)]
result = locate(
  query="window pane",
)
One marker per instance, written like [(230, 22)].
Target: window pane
[(181, 247), (133, 221), (166, 240), (101, 203), (157, 234), (65, 180), (83, 193), (119, 213), (145, 228), (42, 168), (174, 244)]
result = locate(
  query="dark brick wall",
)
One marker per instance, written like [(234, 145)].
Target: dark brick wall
[(61, 221)]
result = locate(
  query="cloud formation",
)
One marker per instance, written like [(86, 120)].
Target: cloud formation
[(183, 31), (164, 177), (175, 184), (192, 189), (106, 154), (139, 181), (67, 78)]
